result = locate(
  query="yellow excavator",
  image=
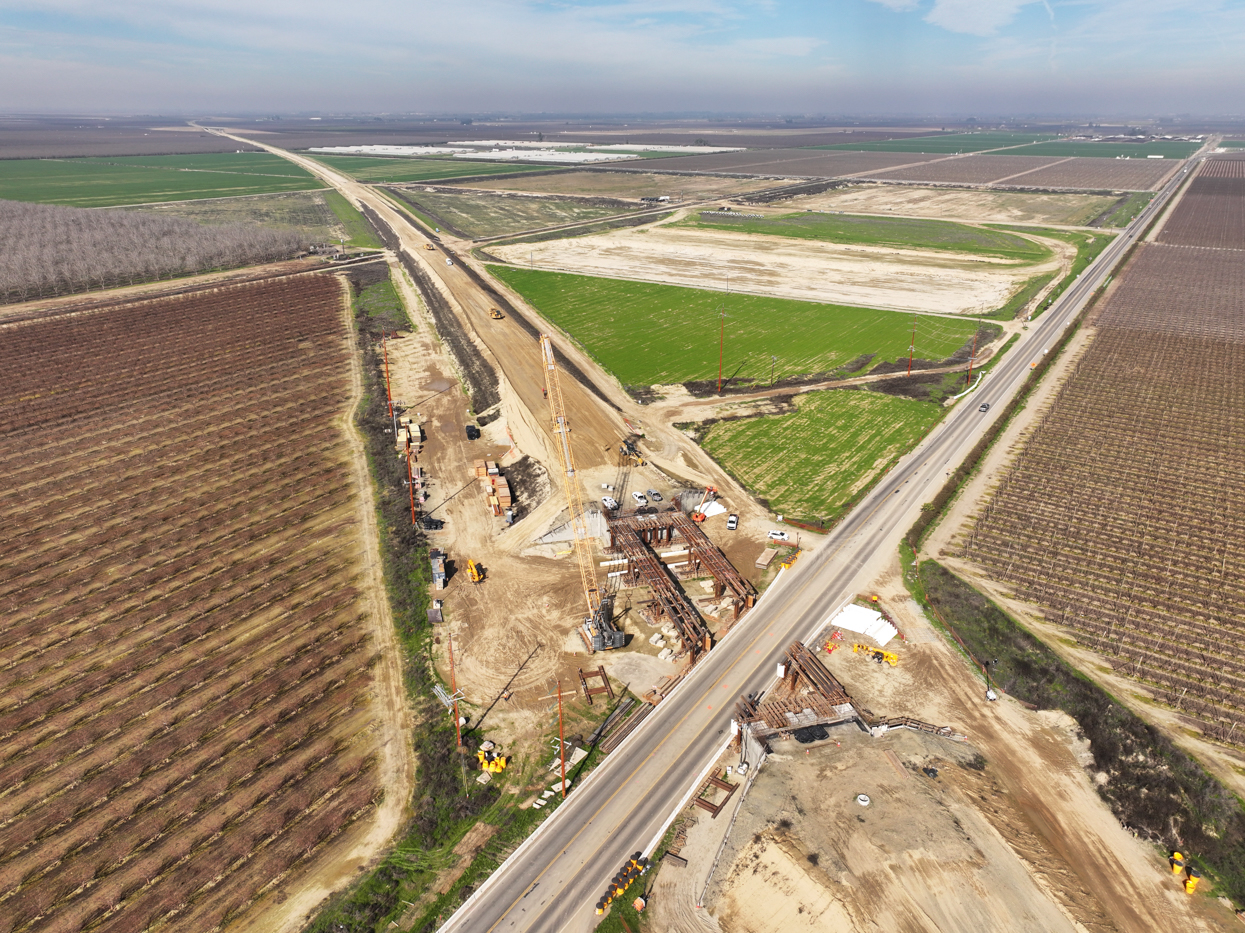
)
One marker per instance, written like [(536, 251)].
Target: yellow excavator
[(475, 572), (877, 654)]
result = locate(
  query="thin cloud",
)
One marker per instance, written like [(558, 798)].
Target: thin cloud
[(975, 17)]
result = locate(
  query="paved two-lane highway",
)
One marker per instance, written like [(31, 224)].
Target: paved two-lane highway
[(553, 881)]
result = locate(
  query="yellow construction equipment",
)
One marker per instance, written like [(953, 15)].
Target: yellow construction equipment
[(629, 452), (475, 571), (430, 247), (491, 762), (599, 628), (877, 654), (495, 314)]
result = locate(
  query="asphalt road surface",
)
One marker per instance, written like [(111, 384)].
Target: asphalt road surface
[(552, 883)]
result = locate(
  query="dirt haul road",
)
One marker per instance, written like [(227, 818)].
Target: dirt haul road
[(597, 419), (506, 345)]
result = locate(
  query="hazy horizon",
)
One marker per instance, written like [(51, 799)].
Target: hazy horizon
[(846, 57)]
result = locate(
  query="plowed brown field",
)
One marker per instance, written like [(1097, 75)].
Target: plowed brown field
[(1124, 513), (184, 662)]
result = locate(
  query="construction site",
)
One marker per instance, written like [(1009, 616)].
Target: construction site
[(588, 558)]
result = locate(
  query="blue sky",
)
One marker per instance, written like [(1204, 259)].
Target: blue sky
[(1090, 57)]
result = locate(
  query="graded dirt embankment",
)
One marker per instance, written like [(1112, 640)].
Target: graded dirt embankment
[(805, 855), (971, 204), (863, 276)]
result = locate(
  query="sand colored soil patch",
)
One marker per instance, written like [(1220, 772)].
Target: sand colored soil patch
[(921, 856), (871, 277), (959, 204)]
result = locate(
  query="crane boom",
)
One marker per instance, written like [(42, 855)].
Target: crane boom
[(574, 494)]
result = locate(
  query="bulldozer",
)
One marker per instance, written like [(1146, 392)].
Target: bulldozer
[(475, 572), (430, 247), (495, 314), (877, 654)]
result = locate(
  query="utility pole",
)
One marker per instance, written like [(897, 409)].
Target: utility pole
[(561, 740), (721, 347), (971, 359), (912, 345), (773, 361)]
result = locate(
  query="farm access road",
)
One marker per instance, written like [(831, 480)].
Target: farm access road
[(553, 881)]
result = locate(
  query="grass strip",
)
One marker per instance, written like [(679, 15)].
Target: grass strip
[(893, 232), (1151, 786), (1088, 246), (1018, 301), (1127, 212), (1168, 149), (358, 230)]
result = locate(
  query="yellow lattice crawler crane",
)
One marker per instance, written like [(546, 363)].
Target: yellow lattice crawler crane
[(599, 629), (877, 654)]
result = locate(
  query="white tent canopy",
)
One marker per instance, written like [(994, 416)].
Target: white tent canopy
[(866, 622)]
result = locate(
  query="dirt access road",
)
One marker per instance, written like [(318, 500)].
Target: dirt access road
[(596, 416), (505, 344)]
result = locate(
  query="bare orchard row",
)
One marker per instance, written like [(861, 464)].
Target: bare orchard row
[(184, 713)]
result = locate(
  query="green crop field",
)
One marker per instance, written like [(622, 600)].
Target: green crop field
[(1168, 149), (897, 232), (647, 334), (950, 144), (142, 180), (244, 163), (368, 168), (813, 463), (1232, 144)]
